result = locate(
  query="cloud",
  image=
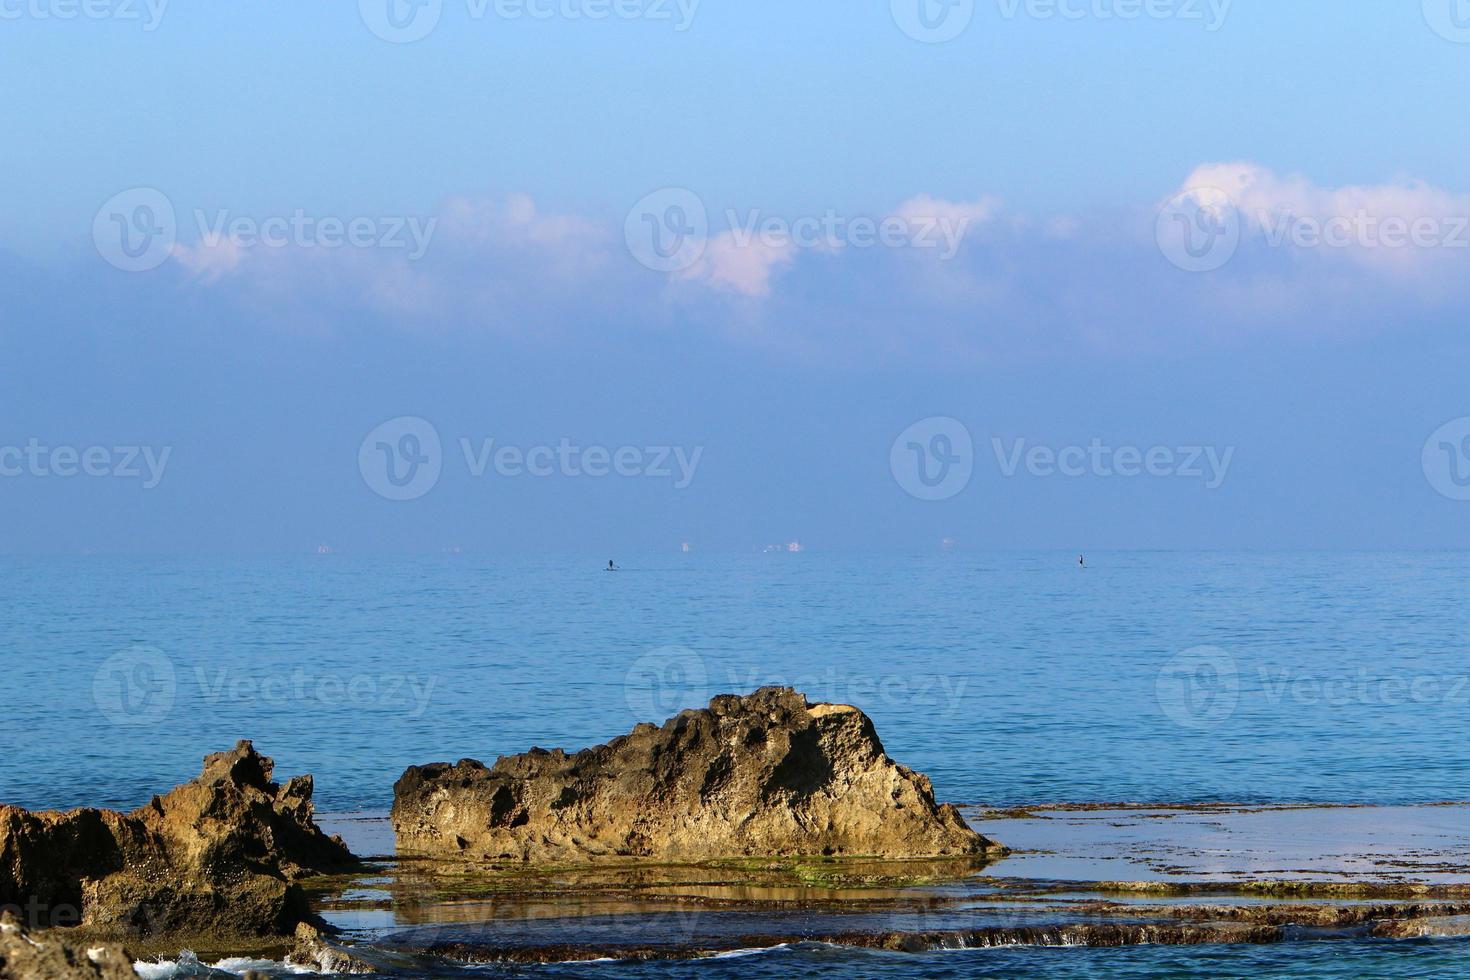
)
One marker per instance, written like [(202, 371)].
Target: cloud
[(1404, 228), (953, 281), (212, 259), (733, 265), (742, 260), (957, 216)]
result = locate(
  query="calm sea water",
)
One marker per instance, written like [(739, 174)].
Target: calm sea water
[(1307, 961), (1009, 678), (1358, 959)]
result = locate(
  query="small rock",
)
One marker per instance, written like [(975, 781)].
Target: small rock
[(219, 854)]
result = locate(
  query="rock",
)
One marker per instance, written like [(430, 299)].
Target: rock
[(313, 950), (220, 854), (767, 774), (48, 956)]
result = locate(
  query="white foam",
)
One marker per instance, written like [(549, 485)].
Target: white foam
[(188, 965)]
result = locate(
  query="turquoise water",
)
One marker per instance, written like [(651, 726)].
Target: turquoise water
[(1008, 677)]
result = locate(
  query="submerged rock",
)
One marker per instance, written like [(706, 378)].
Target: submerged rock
[(48, 956), (219, 854), (763, 775)]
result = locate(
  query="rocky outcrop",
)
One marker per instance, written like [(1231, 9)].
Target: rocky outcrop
[(219, 855), (765, 775), (48, 956)]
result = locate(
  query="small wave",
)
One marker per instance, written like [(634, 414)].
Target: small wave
[(188, 965), (752, 951)]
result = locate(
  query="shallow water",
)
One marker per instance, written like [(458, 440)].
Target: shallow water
[(1010, 678), (1361, 960)]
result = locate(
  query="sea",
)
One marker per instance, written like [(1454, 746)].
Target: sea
[(1010, 678)]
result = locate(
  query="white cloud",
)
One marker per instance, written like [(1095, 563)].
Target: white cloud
[(744, 267), (960, 215), (212, 259), (1398, 228)]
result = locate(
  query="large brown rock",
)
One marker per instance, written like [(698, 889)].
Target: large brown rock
[(766, 775), (220, 854)]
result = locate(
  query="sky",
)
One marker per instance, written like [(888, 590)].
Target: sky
[(612, 276)]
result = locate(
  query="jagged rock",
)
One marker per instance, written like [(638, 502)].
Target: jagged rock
[(314, 951), (219, 854), (49, 956), (765, 774)]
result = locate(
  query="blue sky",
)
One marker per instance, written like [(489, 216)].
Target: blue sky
[(1053, 147)]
